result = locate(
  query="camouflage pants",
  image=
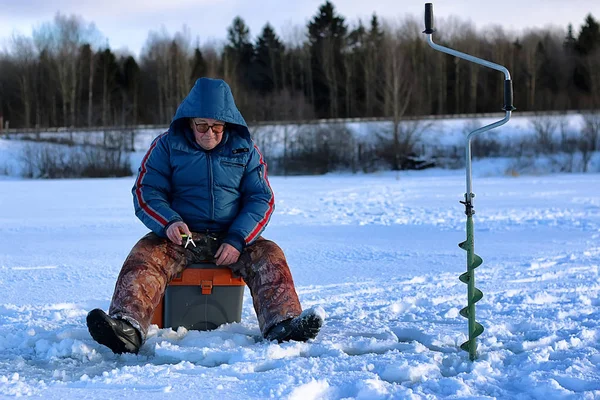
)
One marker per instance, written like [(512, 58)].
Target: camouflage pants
[(154, 262)]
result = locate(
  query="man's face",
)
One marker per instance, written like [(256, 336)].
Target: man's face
[(208, 132)]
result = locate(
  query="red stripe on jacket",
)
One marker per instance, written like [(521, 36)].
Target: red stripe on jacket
[(264, 220), (138, 186)]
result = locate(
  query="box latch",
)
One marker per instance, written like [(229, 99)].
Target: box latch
[(178, 277), (206, 287)]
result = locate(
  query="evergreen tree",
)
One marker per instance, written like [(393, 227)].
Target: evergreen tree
[(354, 60), (105, 86), (239, 52), (129, 83), (374, 70), (47, 93), (548, 70), (589, 36), (375, 37), (198, 65), (588, 41), (267, 72), (327, 35), (570, 42)]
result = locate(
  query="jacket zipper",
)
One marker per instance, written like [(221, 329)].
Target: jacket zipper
[(211, 186)]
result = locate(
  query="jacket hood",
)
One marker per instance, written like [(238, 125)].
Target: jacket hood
[(210, 98)]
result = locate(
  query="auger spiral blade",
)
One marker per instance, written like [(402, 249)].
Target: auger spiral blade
[(474, 294)]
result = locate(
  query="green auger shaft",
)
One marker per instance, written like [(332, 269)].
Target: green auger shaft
[(473, 294)]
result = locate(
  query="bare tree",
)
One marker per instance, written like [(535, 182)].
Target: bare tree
[(211, 55), (169, 59), (63, 39), (545, 128), (568, 145), (349, 87), (399, 147), (590, 138), (24, 58), (531, 64), (152, 56), (497, 46), (592, 63), (398, 83), (436, 82), (371, 66), (69, 40), (90, 87), (307, 81), (181, 52), (293, 37), (327, 58), (472, 46), (591, 129)]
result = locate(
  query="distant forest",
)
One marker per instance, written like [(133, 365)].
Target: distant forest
[(330, 68)]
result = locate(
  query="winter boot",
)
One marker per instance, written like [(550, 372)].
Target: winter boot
[(300, 329), (116, 334)]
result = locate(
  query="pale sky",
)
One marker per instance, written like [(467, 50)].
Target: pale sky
[(126, 23)]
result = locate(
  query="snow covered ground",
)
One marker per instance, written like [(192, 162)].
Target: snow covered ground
[(378, 252)]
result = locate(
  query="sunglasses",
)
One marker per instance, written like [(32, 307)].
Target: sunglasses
[(203, 127)]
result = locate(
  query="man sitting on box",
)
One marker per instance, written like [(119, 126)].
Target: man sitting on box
[(204, 178)]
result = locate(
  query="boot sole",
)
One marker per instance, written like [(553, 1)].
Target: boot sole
[(101, 328), (307, 328)]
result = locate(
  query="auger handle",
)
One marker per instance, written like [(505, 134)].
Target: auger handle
[(508, 91), (429, 19), (508, 96)]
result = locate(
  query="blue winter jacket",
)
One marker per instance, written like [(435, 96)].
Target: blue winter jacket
[(222, 190)]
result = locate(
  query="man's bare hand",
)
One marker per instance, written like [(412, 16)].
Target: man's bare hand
[(175, 230), (226, 255)]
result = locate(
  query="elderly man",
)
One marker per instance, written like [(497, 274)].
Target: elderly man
[(204, 178)]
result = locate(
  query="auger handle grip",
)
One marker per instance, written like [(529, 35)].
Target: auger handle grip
[(508, 96), (429, 19)]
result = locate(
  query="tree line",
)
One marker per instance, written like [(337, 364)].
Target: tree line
[(330, 68)]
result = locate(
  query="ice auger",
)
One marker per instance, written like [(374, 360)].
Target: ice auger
[(473, 260)]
